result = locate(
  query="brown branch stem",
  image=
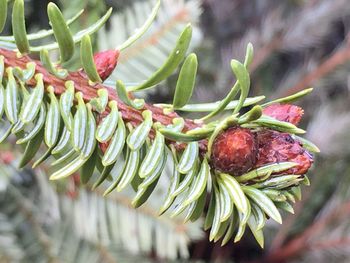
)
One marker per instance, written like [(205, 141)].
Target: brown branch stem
[(338, 242), (296, 246), (81, 84), (340, 57)]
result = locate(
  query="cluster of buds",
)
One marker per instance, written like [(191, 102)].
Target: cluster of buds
[(238, 150)]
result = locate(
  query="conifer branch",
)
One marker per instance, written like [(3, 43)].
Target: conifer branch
[(89, 92), (251, 163)]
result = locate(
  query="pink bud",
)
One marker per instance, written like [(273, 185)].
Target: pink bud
[(105, 62), (276, 147), (284, 112)]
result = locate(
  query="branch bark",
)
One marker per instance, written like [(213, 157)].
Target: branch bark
[(296, 246), (89, 92), (340, 57)]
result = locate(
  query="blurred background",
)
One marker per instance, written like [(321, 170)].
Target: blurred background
[(298, 44)]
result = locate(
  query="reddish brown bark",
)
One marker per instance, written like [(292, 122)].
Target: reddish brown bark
[(82, 84)]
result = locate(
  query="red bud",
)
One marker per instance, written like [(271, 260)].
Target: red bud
[(234, 151), (276, 147), (7, 157), (105, 62), (284, 112), (238, 150)]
